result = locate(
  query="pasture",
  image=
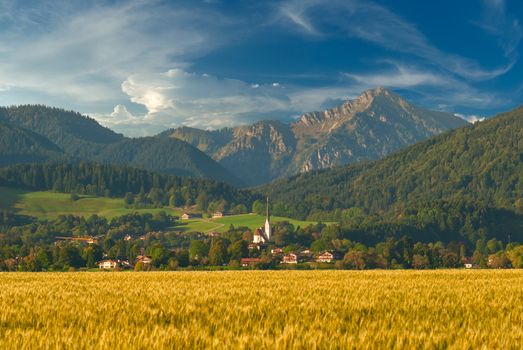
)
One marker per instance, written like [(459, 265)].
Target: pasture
[(251, 221), (462, 309), (49, 205)]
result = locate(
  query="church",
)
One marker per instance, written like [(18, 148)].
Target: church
[(262, 235)]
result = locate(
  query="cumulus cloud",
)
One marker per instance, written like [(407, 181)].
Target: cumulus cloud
[(177, 97), (471, 118)]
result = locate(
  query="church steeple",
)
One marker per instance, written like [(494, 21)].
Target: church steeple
[(268, 222)]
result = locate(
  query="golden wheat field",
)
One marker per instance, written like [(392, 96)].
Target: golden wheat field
[(459, 309)]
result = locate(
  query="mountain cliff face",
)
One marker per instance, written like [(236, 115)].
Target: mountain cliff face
[(371, 126)]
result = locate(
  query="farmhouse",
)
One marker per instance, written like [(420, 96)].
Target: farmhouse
[(275, 251), (146, 260), (246, 262), (111, 264), (290, 259), (218, 214), (327, 257), (187, 216)]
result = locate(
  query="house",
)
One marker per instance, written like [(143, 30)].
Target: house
[(218, 214), (111, 264), (127, 237), (468, 265), (186, 216), (108, 264), (146, 260), (327, 257), (246, 262), (85, 239), (275, 251), (290, 259)]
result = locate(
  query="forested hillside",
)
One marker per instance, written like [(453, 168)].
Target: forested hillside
[(19, 145), (83, 138), (139, 187), (481, 164)]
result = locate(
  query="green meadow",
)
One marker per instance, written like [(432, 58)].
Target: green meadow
[(49, 205)]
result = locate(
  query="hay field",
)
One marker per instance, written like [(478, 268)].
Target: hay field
[(458, 309)]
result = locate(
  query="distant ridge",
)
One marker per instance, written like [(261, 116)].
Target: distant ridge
[(36, 133), (369, 127)]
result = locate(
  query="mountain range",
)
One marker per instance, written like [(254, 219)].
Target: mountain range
[(481, 164), (369, 127)]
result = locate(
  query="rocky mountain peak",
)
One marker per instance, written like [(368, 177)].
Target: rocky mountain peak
[(331, 117)]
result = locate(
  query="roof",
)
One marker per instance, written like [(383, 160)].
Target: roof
[(247, 260)]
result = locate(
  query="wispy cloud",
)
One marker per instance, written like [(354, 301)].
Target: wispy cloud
[(498, 22), (398, 77), (85, 52), (376, 24)]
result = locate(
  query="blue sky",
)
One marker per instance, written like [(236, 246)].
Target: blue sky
[(140, 67)]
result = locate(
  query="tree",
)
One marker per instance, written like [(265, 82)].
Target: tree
[(239, 209), (258, 207), (159, 255), (128, 199), (182, 257), (355, 259), (498, 261), (198, 249), (515, 255), (420, 261), (238, 250), (70, 257), (218, 252)]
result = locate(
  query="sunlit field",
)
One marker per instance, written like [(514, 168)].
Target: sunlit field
[(263, 309)]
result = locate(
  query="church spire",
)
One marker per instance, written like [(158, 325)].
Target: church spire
[(268, 230), (268, 214)]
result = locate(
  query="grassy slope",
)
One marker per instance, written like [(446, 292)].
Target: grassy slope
[(51, 204)]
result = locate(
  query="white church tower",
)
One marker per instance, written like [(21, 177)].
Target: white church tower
[(267, 230)]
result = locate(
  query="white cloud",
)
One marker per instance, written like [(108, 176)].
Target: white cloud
[(497, 22), (399, 77), (376, 24), (177, 98), (471, 118), (83, 52)]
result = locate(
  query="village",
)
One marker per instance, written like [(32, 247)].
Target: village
[(262, 251), (236, 248)]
